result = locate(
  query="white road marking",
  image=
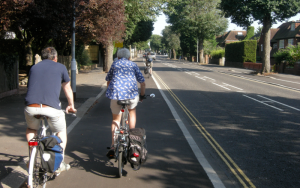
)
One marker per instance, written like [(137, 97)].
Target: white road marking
[(221, 86), (270, 100), (263, 103), (233, 86)]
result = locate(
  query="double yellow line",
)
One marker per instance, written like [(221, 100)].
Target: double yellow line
[(239, 174)]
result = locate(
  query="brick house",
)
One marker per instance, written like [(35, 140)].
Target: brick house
[(286, 34), (230, 36)]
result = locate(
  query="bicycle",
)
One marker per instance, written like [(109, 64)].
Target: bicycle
[(36, 176), (121, 137), (148, 67)]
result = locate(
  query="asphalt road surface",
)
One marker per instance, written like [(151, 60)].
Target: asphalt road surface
[(247, 125)]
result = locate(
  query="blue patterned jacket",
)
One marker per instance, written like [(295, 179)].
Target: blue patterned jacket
[(123, 76)]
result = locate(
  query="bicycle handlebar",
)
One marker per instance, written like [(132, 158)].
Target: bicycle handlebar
[(152, 95)]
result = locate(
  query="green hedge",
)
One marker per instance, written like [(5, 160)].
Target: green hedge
[(244, 51), (218, 53)]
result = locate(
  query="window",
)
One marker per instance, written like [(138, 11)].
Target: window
[(292, 26), (240, 33), (281, 44), (290, 41), (275, 46), (261, 47)]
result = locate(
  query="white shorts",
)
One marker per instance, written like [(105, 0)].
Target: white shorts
[(116, 109), (56, 120)]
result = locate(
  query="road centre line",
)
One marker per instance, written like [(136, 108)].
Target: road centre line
[(219, 150), (263, 103), (221, 86), (233, 86), (279, 103)]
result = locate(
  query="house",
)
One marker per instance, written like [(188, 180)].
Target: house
[(230, 36), (286, 34)]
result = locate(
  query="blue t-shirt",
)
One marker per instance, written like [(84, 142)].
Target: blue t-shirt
[(123, 75), (44, 84)]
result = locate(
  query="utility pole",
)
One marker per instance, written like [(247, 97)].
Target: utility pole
[(197, 49), (73, 61)]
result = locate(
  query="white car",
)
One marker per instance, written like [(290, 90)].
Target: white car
[(152, 56)]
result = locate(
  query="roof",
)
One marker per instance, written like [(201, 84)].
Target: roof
[(272, 34), (231, 36), (285, 31)]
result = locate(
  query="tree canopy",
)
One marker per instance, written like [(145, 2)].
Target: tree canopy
[(155, 42), (171, 40), (267, 12), (201, 19)]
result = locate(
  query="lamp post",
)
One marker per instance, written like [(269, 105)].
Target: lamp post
[(73, 61)]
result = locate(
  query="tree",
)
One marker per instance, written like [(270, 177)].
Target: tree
[(171, 40), (250, 32), (267, 12), (40, 23), (155, 42), (258, 30), (200, 19)]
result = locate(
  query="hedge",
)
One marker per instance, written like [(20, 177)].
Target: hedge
[(244, 51)]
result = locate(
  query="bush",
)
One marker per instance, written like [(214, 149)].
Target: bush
[(84, 58), (291, 54), (282, 55), (218, 53), (82, 55)]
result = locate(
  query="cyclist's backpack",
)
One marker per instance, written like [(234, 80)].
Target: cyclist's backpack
[(137, 153), (51, 153)]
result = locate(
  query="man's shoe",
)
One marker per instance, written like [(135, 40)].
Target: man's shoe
[(63, 167)]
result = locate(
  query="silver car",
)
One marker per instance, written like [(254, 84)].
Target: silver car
[(152, 56)]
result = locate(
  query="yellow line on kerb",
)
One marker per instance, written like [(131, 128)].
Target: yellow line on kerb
[(223, 155)]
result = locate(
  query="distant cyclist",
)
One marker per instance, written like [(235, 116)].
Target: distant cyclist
[(122, 81), (45, 82), (149, 62)]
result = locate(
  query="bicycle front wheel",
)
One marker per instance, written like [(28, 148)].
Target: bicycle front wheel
[(120, 164), (35, 175)]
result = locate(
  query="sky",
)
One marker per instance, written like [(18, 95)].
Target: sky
[(160, 24)]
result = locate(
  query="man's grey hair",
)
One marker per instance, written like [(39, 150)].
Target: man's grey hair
[(49, 53), (123, 52)]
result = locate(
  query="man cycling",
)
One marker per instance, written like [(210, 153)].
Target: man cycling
[(45, 81), (122, 85)]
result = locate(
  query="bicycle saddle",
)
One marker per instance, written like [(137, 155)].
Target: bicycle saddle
[(40, 116), (124, 102)]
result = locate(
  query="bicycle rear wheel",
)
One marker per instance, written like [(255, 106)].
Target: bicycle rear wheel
[(35, 175), (120, 164)]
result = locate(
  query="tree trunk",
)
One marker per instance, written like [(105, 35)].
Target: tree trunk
[(130, 52), (28, 53), (201, 51), (109, 55), (174, 53), (266, 44)]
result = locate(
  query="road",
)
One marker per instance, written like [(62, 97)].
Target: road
[(246, 125), (208, 126)]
